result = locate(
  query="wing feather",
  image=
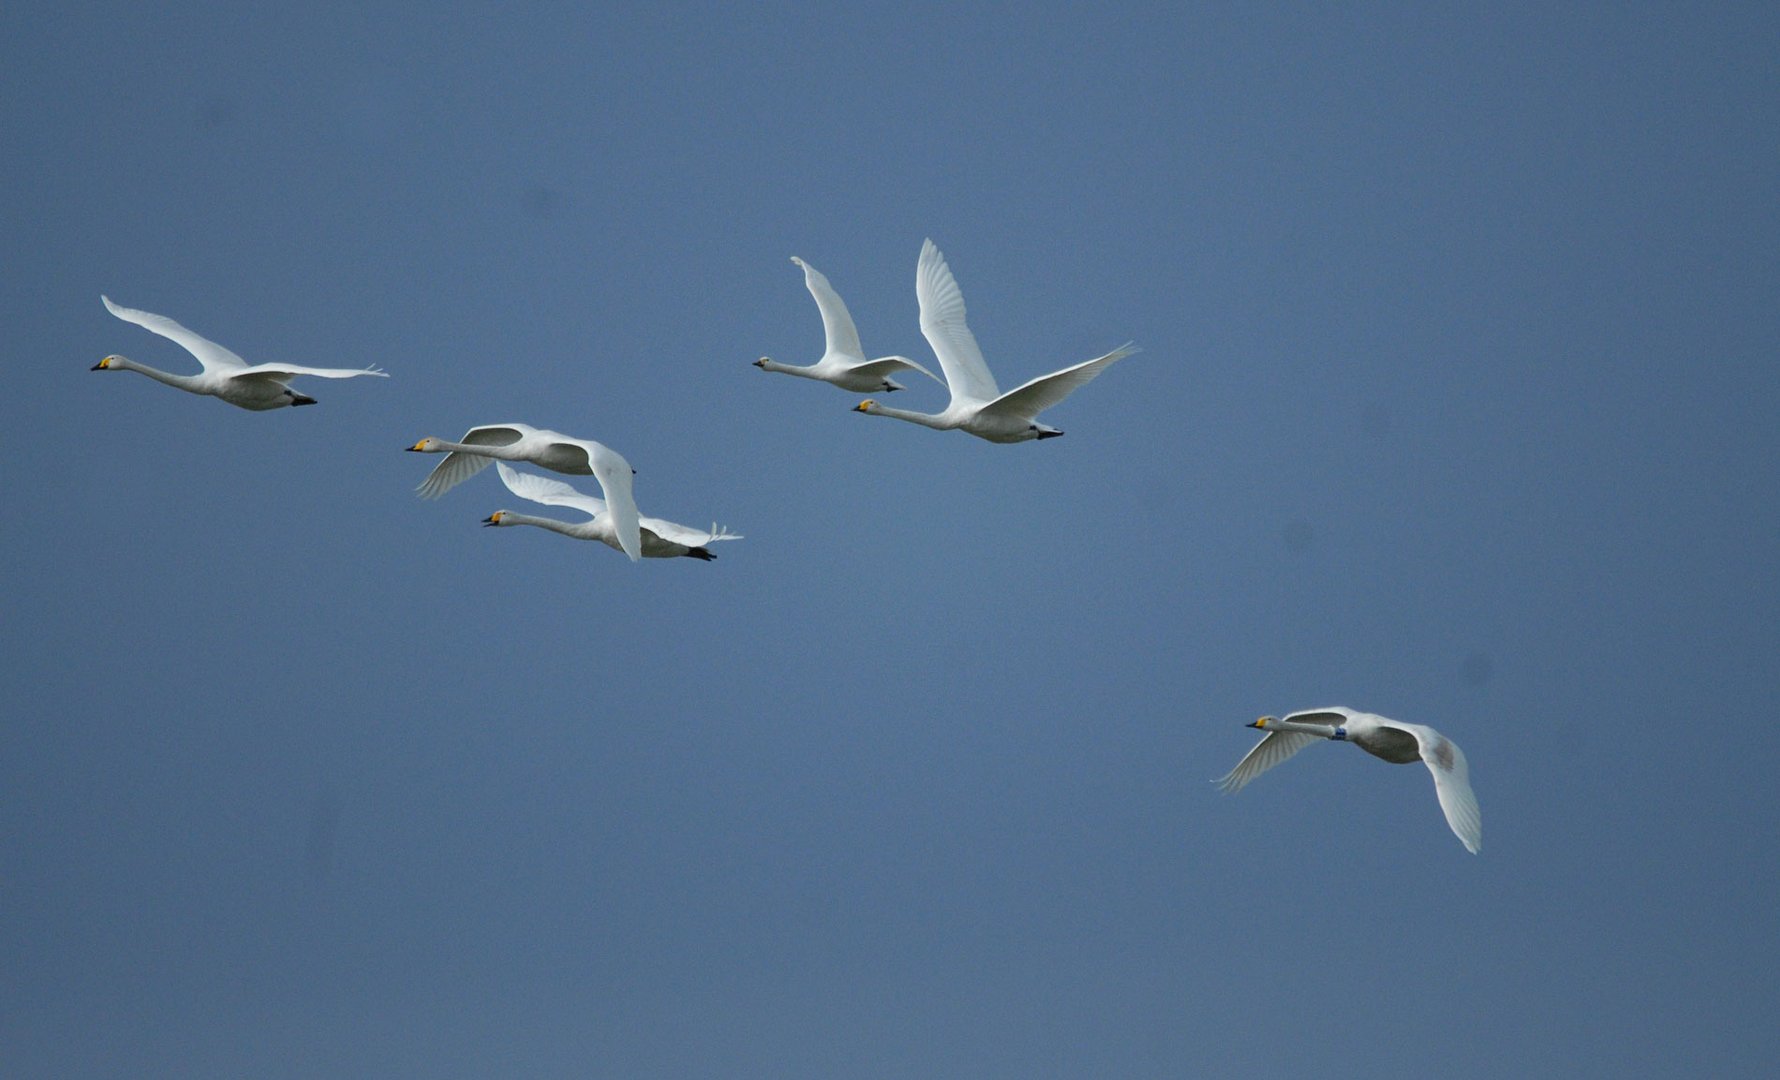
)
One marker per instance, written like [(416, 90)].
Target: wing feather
[(1032, 398), (212, 356), (1274, 747), (839, 334), (1452, 782), (614, 474), (281, 372), (542, 489), (890, 365), (943, 325), (459, 466)]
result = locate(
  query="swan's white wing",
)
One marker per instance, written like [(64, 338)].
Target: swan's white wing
[(1047, 390), (614, 474), (943, 325), (542, 489), (281, 372), (212, 356), (886, 366), (837, 325), (681, 534), (1274, 747), (458, 466), (1452, 782)]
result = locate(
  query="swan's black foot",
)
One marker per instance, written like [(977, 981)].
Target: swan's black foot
[(1049, 434), (701, 553), (300, 399)]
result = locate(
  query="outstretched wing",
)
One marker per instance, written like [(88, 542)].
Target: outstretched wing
[(943, 325), (459, 466), (281, 372), (614, 474), (1047, 390), (212, 356), (542, 489), (887, 366), (1274, 747), (681, 534), (840, 334), (1452, 783)]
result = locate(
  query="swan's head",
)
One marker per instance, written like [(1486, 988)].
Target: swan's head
[(866, 406), (762, 362), (1263, 722), (428, 445), (110, 363), (498, 518), (797, 260)]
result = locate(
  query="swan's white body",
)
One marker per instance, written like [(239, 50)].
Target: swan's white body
[(661, 539), (549, 449), (843, 362), (251, 386), (978, 406), (1392, 740)]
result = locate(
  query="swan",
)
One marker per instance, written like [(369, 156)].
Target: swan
[(1392, 740), (844, 363), (661, 539), (553, 451), (251, 386), (978, 406)]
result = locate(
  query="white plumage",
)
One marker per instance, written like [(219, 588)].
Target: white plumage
[(226, 376), (1391, 740), (978, 406)]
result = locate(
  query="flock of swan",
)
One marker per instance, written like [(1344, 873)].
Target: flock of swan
[(977, 407)]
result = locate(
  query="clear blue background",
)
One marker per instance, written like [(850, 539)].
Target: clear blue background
[(1458, 404)]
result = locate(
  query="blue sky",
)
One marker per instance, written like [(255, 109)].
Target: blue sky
[(1457, 404)]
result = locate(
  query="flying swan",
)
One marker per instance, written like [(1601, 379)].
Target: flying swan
[(251, 386), (553, 451), (661, 539), (978, 406), (1392, 740), (844, 363)]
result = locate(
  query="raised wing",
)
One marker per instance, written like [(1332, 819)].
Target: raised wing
[(541, 489), (1047, 390), (459, 466), (212, 356), (281, 372), (841, 335), (890, 365), (943, 325), (614, 474), (1274, 747), (1452, 783)]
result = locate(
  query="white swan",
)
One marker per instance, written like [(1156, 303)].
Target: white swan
[(1391, 740), (978, 406), (553, 451), (844, 363), (661, 539), (225, 375)]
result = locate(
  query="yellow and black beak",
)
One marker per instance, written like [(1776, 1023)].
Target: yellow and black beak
[(492, 519), (415, 448), (102, 365)]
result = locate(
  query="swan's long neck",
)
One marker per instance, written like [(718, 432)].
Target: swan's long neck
[(789, 369), (578, 530), (932, 420), (184, 382)]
